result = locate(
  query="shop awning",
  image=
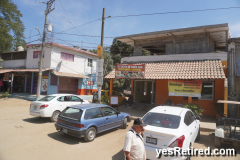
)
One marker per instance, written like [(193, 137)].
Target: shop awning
[(206, 69), (72, 75), (21, 70)]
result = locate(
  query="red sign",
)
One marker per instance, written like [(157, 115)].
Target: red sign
[(90, 82), (131, 71)]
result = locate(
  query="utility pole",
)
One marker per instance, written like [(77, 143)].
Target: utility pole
[(102, 36), (48, 10)]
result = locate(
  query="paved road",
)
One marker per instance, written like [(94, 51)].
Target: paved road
[(23, 137)]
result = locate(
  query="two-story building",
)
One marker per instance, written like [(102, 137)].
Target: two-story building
[(65, 69), (193, 57)]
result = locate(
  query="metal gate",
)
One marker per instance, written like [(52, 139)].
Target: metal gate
[(68, 85)]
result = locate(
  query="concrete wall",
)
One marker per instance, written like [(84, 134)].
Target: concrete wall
[(78, 66), (33, 62), (177, 57), (178, 44), (20, 63), (208, 105)]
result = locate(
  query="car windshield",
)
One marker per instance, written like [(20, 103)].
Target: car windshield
[(71, 113), (47, 98), (162, 120)]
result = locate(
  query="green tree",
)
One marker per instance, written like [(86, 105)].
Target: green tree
[(12, 28)]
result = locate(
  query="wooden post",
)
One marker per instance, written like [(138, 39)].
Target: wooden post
[(225, 96), (189, 99), (111, 87)]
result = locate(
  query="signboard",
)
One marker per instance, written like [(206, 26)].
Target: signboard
[(44, 84), (90, 82), (131, 71), (6, 77), (113, 100), (184, 88)]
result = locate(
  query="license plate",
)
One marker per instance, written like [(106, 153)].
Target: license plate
[(35, 108), (151, 140), (64, 130)]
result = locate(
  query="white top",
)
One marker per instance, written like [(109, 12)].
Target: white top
[(134, 144)]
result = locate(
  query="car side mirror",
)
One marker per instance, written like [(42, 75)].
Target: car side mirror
[(118, 112), (197, 118)]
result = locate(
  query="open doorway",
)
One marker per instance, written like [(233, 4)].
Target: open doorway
[(144, 91)]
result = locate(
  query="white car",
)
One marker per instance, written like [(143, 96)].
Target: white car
[(169, 127), (52, 105)]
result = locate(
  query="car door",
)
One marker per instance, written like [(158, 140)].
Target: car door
[(75, 100), (112, 118), (195, 124), (63, 102), (192, 126), (94, 116)]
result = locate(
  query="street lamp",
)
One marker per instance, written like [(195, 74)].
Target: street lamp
[(38, 32)]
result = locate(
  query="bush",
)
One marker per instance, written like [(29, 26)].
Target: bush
[(195, 108), (104, 100)]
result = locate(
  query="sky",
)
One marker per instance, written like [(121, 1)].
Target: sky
[(75, 15)]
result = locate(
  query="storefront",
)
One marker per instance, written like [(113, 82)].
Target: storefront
[(163, 81)]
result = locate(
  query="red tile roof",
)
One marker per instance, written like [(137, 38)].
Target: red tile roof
[(206, 69)]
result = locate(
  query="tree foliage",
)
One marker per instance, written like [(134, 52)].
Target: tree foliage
[(12, 28)]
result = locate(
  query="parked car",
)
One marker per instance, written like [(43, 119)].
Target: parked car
[(169, 127), (52, 105), (87, 120)]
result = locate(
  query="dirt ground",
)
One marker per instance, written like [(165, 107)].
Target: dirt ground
[(23, 137)]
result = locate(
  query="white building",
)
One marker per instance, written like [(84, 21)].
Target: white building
[(65, 69)]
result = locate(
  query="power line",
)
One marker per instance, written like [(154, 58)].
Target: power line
[(81, 35), (70, 20), (149, 14)]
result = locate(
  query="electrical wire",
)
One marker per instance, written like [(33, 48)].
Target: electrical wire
[(70, 20), (81, 35), (199, 10)]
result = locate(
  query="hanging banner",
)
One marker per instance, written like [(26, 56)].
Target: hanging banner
[(6, 77), (44, 84), (131, 71), (184, 88)]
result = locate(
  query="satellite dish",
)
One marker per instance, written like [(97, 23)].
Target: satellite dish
[(59, 66)]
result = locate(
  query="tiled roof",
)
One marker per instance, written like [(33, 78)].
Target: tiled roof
[(206, 69)]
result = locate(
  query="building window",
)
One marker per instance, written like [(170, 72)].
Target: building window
[(37, 54), (207, 90), (67, 57), (89, 63), (54, 80)]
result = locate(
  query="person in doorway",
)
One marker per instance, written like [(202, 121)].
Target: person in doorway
[(1, 85), (134, 147), (129, 101)]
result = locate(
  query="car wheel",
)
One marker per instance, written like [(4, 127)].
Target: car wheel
[(218, 142), (55, 116), (90, 134), (124, 125), (198, 136)]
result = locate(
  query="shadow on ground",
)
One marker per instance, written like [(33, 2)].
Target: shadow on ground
[(118, 156), (38, 120), (64, 138)]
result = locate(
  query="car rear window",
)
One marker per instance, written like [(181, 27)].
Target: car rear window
[(71, 113), (162, 120), (47, 98)]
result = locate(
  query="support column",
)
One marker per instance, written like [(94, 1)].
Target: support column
[(132, 87), (225, 95), (111, 86), (137, 51), (189, 99)]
